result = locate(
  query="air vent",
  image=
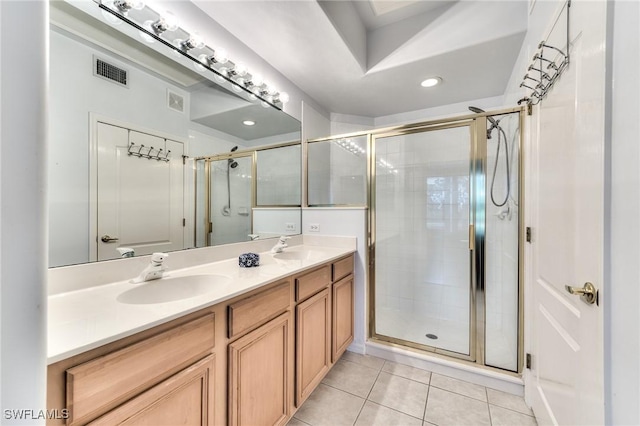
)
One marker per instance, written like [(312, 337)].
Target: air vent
[(110, 72), (175, 101)]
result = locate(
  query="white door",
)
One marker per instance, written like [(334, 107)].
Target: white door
[(565, 385), (140, 199)]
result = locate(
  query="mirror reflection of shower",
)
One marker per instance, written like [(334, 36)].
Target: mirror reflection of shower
[(505, 212), (231, 164)]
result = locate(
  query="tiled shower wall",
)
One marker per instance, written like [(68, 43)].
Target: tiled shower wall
[(422, 225), (237, 226)]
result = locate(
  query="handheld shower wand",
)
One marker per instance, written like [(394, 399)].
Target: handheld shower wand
[(495, 124), (231, 164)]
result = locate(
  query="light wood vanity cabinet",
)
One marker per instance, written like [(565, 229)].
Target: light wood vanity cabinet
[(183, 399), (248, 361), (313, 343), (160, 376), (324, 322), (260, 375)]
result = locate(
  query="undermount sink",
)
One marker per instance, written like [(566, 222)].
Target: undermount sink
[(298, 255), (171, 289)]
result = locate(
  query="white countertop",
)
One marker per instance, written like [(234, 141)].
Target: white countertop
[(85, 319)]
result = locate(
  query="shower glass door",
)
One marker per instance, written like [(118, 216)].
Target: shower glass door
[(423, 209), (230, 199)]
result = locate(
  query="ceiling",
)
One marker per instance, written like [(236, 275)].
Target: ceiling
[(368, 57)]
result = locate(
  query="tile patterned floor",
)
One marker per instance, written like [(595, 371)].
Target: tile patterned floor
[(363, 390)]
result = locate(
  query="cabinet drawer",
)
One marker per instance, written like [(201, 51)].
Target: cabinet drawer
[(341, 268), (113, 378), (309, 284), (255, 310), (183, 399)]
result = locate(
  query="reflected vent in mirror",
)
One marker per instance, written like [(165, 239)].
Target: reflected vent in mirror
[(175, 101), (110, 72)]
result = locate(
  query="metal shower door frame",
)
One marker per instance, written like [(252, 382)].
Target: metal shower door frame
[(476, 279)]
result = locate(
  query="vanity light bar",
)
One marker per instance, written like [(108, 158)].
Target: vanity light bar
[(226, 70)]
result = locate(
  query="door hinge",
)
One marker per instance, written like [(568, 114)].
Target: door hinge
[(528, 361), (184, 222), (184, 159), (528, 234)]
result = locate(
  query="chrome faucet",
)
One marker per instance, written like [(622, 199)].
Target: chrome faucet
[(280, 245), (154, 270)]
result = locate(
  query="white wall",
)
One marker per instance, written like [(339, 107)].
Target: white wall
[(273, 221), (622, 316), (143, 105), (23, 254), (351, 222)]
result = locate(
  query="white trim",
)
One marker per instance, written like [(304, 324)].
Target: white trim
[(94, 119), (480, 376)]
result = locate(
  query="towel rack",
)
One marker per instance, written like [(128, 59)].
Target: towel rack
[(159, 155), (548, 63)]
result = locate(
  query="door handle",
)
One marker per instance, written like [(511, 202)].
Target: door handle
[(107, 239), (588, 293)]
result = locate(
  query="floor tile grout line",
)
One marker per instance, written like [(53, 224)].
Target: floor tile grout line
[(513, 411), (361, 365), (333, 387), (426, 402), (461, 394), (409, 378), (486, 393), (393, 409), (369, 393)]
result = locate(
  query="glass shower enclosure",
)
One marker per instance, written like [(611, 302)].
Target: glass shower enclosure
[(445, 249)]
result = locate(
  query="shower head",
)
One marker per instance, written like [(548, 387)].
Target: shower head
[(481, 111)]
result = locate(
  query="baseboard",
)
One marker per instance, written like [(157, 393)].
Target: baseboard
[(490, 378)]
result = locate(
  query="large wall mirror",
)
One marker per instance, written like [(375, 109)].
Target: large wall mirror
[(149, 152)]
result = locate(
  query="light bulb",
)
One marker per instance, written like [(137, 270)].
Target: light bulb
[(266, 102), (224, 72), (202, 62), (240, 70), (137, 4), (170, 21), (430, 82), (220, 56), (257, 79), (110, 17), (236, 88), (284, 97), (195, 41), (271, 89), (147, 25), (167, 22)]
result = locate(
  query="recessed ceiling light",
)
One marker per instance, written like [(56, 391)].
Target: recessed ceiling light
[(431, 81), (249, 122)]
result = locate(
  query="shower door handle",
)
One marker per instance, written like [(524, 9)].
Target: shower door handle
[(472, 237), (588, 293)]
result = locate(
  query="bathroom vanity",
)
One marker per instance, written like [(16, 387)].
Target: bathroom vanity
[(248, 354)]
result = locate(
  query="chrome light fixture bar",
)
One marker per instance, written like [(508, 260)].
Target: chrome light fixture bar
[(154, 26)]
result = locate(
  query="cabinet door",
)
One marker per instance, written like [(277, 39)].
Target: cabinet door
[(313, 343), (342, 316), (260, 374), (184, 399)]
